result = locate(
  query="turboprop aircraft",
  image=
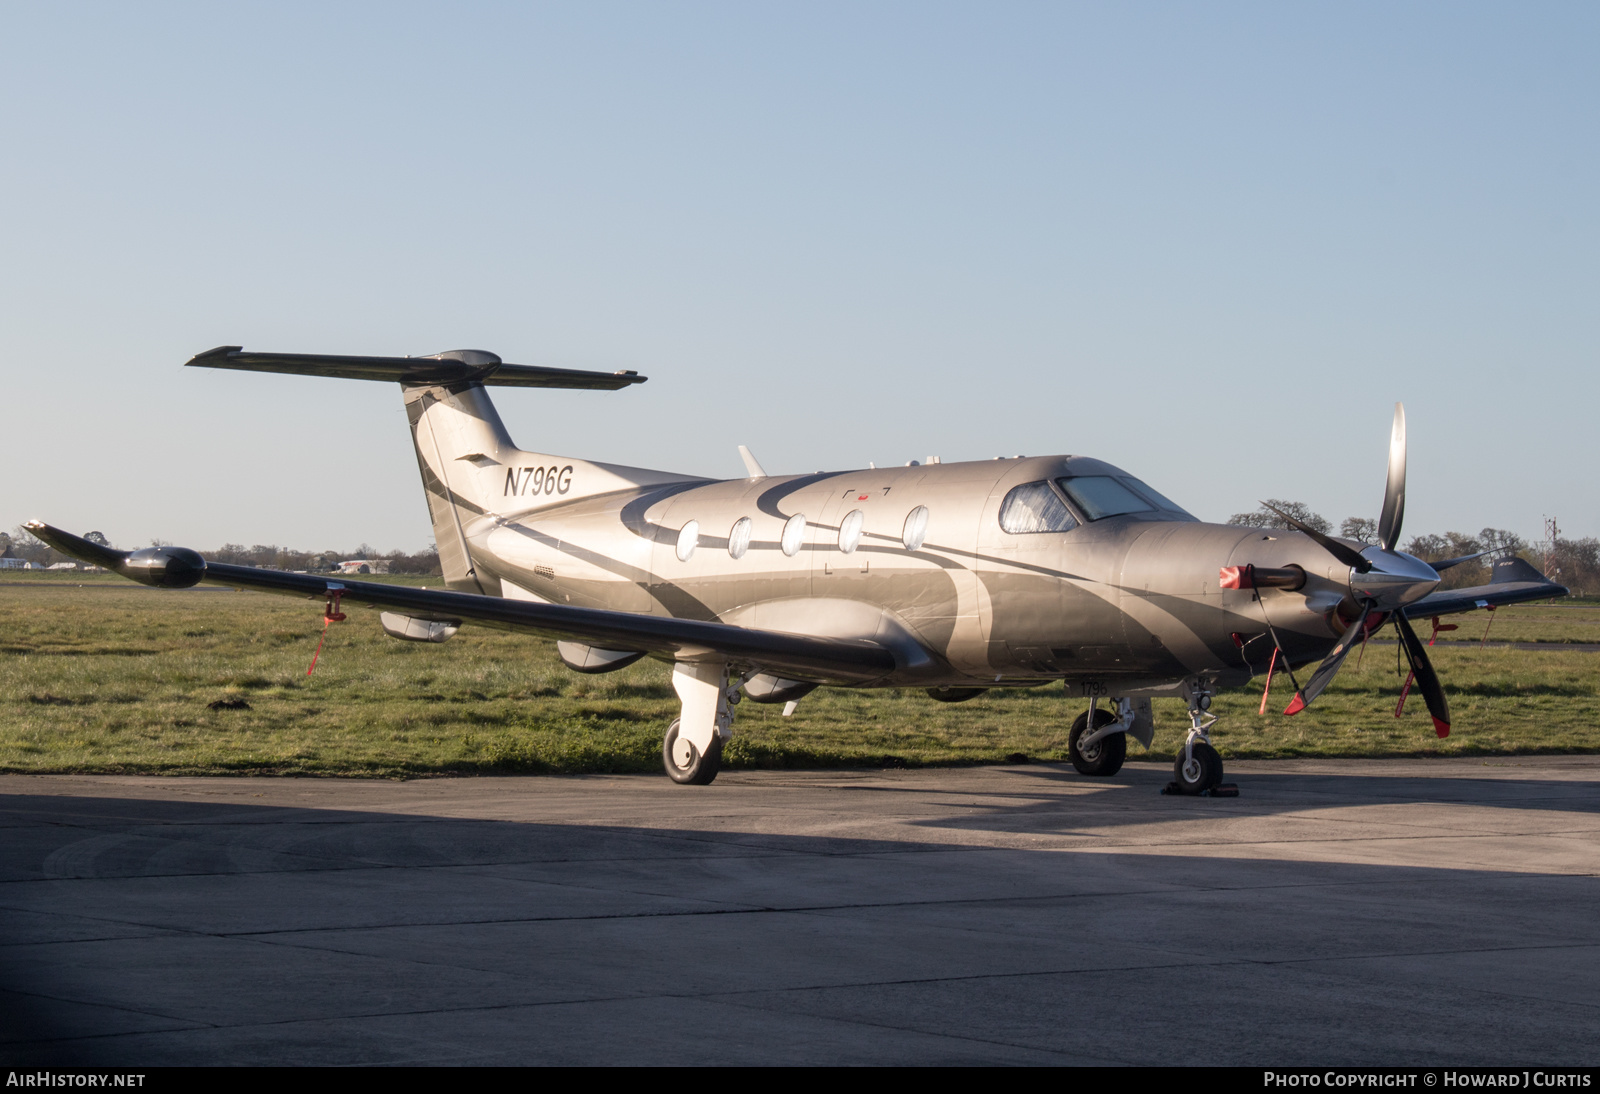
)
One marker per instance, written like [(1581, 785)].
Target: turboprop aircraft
[(953, 577)]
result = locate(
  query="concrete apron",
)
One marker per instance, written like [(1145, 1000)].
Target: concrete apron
[(1415, 912)]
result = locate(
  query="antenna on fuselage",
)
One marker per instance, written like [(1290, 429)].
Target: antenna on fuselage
[(752, 466)]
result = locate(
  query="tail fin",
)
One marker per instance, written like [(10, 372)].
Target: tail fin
[(470, 467)]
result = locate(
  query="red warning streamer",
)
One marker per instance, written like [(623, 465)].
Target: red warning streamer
[(330, 614)]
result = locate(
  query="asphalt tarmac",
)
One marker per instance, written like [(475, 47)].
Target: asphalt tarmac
[(1337, 912)]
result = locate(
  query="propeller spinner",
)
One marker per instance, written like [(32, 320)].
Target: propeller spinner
[(1382, 582)]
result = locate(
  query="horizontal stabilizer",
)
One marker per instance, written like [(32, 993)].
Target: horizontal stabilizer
[(456, 366)]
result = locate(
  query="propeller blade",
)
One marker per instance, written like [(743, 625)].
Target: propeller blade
[(1427, 679), (1345, 554), (1329, 667), (1394, 491)]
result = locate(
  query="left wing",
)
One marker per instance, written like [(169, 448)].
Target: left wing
[(794, 656)]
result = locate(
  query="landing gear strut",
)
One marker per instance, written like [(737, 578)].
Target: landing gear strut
[(691, 751), (1198, 768)]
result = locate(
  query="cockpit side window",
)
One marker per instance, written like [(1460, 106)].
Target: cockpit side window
[(1034, 507)]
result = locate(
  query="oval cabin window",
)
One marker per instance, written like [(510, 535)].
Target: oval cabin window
[(688, 540), (739, 537), (850, 531), (794, 533), (916, 529)]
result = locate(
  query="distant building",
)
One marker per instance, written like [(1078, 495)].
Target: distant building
[(365, 566), (9, 561)]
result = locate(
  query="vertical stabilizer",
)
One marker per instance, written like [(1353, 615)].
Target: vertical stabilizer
[(455, 428)]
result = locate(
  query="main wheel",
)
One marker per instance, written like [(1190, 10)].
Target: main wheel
[(1102, 757), (683, 761), (1199, 770)]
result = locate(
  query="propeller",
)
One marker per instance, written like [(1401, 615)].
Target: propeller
[(1427, 679), (1382, 581)]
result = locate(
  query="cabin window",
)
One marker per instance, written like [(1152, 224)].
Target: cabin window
[(1034, 507), (916, 528), (739, 537), (850, 531), (688, 540), (794, 533)]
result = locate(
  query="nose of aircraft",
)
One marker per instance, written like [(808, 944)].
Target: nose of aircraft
[(1393, 580)]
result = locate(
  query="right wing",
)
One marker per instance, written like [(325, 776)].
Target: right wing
[(1513, 581), (793, 656)]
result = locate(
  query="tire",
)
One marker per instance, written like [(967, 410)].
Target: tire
[(700, 769), (1103, 757), (1199, 775)]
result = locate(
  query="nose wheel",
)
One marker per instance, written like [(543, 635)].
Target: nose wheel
[(1198, 768)]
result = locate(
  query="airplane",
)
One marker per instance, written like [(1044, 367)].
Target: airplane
[(951, 577)]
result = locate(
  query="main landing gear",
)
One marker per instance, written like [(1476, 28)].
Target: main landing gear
[(1198, 768), (1099, 751), (691, 751), (687, 764)]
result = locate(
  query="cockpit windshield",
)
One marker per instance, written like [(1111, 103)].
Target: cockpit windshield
[(1101, 496)]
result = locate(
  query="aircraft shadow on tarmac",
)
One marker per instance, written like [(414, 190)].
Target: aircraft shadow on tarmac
[(138, 931), (1132, 797)]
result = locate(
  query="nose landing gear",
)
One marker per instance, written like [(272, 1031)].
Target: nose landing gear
[(1198, 768)]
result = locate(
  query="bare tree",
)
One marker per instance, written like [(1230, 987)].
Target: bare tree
[(1361, 529), (1265, 518)]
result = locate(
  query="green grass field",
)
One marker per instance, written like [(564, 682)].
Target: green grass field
[(100, 675)]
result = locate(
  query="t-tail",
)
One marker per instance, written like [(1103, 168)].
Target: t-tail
[(471, 469)]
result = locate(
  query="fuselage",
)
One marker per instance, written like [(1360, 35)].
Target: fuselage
[(1122, 604)]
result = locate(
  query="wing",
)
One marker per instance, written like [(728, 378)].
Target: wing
[(794, 656), (1515, 582)]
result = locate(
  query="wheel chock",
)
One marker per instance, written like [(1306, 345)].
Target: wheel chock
[(1222, 790)]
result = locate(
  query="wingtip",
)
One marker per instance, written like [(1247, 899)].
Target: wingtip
[(1441, 728), (1296, 705), (218, 353)]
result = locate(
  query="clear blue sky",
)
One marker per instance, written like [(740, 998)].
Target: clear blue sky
[(1213, 243)]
